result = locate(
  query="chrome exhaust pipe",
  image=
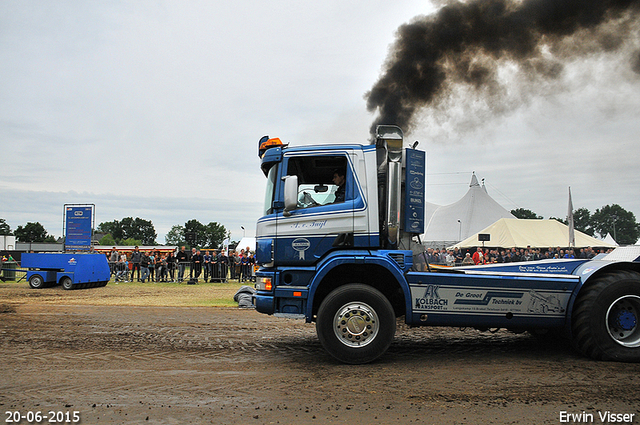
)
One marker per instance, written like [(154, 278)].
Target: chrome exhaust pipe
[(389, 142)]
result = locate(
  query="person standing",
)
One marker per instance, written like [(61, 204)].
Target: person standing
[(252, 263), (171, 266), (191, 258), (245, 266), (450, 258), (152, 265), (223, 263), (113, 259), (206, 258), (182, 258), (239, 265), (214, 266), (162, 272), (478, 257), (468, 261), (235, 265), (160, 266), (125, 260), (196, 264), (136, 257), (144, 264), (459, 257), (231, 262)]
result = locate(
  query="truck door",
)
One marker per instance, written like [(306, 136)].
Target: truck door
[(330, 211)]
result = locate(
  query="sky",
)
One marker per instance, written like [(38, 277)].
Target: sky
[(153, 109)]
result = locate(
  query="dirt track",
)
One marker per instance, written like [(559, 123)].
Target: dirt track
[(177, 365)]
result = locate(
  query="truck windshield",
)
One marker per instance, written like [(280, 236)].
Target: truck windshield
[(269, 191)]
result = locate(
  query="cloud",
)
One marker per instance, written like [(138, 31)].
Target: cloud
[(154, 110), (163, 211)]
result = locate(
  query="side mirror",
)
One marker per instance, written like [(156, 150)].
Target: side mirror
[(290, 194)]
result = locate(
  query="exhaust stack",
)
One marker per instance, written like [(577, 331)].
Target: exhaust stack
[(389, 141)]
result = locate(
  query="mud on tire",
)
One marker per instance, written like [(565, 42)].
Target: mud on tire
[(356, 323), (605, 318)]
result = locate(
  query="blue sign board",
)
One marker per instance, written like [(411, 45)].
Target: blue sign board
[(414, 199), (78, 228)]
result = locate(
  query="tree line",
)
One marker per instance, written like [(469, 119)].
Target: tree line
[(132, 231), (30, 232), (610, 219)]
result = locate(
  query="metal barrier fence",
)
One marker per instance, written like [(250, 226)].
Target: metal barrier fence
[(182, 272), (11, 271)]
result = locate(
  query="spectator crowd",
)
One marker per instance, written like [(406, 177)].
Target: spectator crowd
[(218, 266), (480, 255), (156, 266)]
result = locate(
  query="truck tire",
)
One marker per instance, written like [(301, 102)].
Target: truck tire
[(36, 282), (605, 318), (356, 323), (67, 283)]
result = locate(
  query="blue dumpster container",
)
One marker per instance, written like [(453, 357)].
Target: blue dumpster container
[(77, 270)]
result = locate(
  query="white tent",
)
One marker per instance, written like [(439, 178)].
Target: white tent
[(246, 242), (516, 233), (448, 224), (610, 239)]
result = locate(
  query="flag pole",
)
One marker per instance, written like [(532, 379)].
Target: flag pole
[(572, 236)]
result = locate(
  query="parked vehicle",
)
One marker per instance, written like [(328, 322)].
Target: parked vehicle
[(72, 271)]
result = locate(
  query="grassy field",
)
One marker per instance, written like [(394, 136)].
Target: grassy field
[(128, 293)]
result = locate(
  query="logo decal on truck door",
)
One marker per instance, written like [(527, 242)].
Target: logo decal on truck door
[(301, 245)]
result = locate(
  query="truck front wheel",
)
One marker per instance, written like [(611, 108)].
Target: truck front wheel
[(356, 323), (606, 315), (36, 281)]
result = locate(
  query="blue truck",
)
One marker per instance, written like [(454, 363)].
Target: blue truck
[(337, 242), (71, 270)]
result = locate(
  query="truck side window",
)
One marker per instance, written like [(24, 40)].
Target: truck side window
[(321, 179)]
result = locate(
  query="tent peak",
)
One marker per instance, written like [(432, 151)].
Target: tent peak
[(474, 180)]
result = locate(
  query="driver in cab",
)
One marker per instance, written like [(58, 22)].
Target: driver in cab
[(339, 180)]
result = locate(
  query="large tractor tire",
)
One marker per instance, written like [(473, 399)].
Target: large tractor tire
[(606, 315), (356, 323)]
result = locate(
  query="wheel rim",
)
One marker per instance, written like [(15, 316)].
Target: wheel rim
[(67, 283), (36, 281), (622, 321), (356, 324)]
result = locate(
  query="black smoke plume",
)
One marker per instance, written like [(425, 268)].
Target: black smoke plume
[(465, 43)]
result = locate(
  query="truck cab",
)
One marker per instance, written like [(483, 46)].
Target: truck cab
[(303, 219), (336, 244)]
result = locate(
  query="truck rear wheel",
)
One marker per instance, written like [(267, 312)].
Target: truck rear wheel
[(67, 283), (605, 318), (36, 281), (356, 323)]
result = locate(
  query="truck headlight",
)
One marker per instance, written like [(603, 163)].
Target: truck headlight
[(264, 284)]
